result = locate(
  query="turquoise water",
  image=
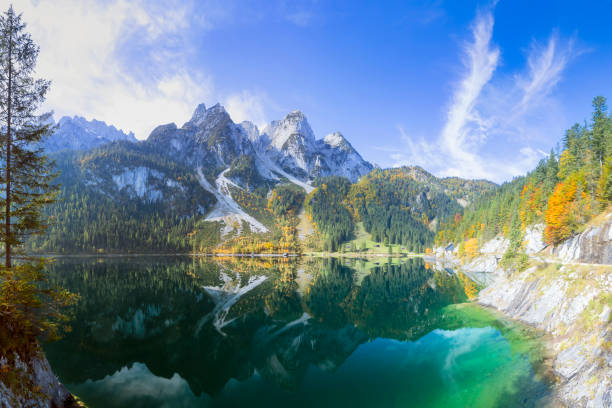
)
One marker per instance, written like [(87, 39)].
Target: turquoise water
[(174, 332)]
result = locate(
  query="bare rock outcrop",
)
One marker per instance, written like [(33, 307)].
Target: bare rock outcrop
[(569, 302), (593, 245), (566, 294), (38, 385)]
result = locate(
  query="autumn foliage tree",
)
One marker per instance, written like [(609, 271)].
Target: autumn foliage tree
[(569, 207), (471, 247)]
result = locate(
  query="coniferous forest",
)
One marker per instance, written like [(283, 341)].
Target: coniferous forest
[(564, 191)]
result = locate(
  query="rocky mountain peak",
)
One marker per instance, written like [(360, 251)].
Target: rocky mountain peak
[(207, 117), (161, 132), (199, 111), (98, 128), (337, 140), (211, 139), (251, 130), (293, 126), (296, 114)]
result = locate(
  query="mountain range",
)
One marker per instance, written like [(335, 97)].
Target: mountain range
[(209, 170)]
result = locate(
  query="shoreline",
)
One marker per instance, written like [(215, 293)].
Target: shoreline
[(234, 255), (570, 302)]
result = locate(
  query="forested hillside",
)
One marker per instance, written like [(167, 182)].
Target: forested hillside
[(109, 219), (144, 202), (327, 208), (278, 208), (397, 206), (564, 191), (396, 209), (188, 188)]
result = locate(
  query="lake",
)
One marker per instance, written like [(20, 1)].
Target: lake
[(201, 332)]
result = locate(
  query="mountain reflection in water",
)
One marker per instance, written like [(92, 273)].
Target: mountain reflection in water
[(200, 332)]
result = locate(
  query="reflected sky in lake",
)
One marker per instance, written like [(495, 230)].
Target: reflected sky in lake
[(179, 332)]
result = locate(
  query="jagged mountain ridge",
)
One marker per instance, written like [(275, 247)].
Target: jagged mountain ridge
[(291, 143), (78, 133), (209, 169), (221, 156), (210, 137), (227, 156)]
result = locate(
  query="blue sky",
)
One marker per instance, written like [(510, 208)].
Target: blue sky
[(469, 88)]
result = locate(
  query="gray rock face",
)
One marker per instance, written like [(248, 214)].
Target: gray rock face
[(77, 133), (38, 371), (339, 158), (497, 245), (533, 239), (563, 303), (594, 245)]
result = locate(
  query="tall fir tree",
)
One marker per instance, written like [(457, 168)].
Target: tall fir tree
[(27, 176), (600, 123)]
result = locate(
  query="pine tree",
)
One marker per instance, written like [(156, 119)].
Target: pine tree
[(600, 123), (27, 172), (552, 170)]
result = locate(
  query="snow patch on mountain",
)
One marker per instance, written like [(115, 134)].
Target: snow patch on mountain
[(268, 167), (334, 139), (295, 123), (226, 209)]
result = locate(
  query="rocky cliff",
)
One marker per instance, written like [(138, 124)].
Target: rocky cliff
[(593, 245), (572, 303), (567, 292), (33, 385)]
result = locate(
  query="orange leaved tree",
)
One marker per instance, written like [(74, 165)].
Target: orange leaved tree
[(558, 213)]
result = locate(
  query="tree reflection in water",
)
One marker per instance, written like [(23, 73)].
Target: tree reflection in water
[(161, 313)]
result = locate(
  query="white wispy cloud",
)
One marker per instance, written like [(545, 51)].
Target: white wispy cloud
[(247, 105), (489, 115), (545, 66), (123, 61), (465, 127)]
